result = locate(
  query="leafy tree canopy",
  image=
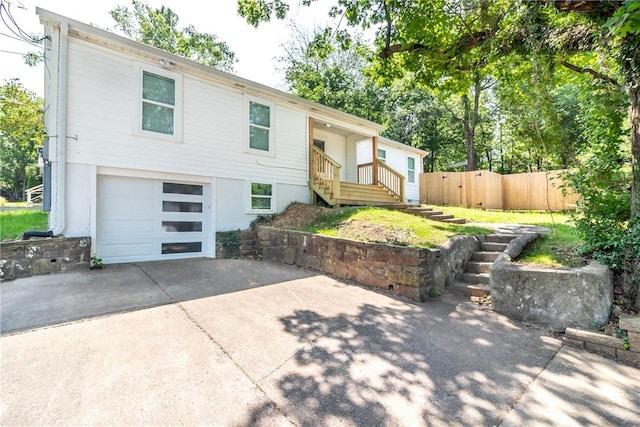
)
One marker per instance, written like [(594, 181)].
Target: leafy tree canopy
[(21, 132), (159, 28)]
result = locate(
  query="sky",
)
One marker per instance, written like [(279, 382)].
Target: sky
[(255, 49)]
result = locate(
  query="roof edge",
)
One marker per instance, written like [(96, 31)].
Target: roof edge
[(48, 17), (398, 144)]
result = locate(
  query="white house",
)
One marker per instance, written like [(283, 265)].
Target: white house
[(150, 154), (403, 158)]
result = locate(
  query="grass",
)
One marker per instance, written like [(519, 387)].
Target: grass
[(388, 226), (14, 223), (557, 249)]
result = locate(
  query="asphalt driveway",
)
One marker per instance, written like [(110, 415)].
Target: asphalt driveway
[(229, 342)]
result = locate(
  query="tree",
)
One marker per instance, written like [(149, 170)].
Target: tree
[(319, 66), (21, 132), (460, 45), (448, 45), (159, 28)]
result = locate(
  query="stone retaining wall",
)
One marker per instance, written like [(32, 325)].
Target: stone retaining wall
[(608, 346), (25, 258), (411, 272), (236, 244), (555, 298)]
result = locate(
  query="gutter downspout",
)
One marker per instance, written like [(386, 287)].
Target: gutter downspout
[(61, 125)]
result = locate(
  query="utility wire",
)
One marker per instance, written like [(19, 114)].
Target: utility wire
[(12, 25), (19, 39), (17, 53)]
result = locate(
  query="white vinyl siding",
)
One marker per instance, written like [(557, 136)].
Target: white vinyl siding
[(214, 125), (397, 158)]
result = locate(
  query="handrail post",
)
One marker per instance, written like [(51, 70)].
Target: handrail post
[(374, 145), (336, 182), (402, 189)]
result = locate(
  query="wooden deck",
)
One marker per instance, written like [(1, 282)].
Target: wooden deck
[(385, 187), (365, 194)]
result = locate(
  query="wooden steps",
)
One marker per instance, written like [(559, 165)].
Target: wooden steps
[(432, 214), (352, 194)]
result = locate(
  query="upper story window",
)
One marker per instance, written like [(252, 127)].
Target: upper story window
[(382, 155), (411, 169), (160, 102), (260, 126)]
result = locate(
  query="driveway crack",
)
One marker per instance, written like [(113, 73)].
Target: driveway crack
[(214, 341), (304, 347)]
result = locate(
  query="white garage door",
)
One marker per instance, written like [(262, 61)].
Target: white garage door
[(144, 220)]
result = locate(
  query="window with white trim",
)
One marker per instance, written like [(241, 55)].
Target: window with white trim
[(260, 126), (261, 196), (382, 155), (158, 104), (411, 170)]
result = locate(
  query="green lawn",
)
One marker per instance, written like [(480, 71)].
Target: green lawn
[(14, 223), (557, 249), (388, 226)]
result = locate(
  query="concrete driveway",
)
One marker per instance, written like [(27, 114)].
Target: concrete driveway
[(229, 342)]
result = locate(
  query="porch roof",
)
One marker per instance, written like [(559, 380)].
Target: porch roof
[(393, 143)]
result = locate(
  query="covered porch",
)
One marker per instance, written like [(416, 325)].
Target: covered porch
[(340, 173)]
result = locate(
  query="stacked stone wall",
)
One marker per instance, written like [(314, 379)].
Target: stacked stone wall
[(415, 273), (25, 258)]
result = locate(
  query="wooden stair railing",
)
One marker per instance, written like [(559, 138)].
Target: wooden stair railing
[(388, 178), (324, 175)]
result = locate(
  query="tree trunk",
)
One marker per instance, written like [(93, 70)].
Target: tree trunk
[(469, 132), (632, 279), (634, 116), (470, 121)]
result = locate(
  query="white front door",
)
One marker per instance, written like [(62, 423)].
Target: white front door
[(144, 219)]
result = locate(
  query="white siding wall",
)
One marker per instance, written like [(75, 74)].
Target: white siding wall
[(397, 159), (334, 147), (102, 100), (80, 191), (103, 96)]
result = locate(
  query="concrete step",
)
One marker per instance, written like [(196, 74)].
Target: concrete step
[(477, 267), (455, 220), (475, 278), (500, 238), (470, 289), (440, 217), (418, 208), (494, 247), (484, 256)]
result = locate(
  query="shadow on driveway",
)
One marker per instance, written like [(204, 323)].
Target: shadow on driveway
[(39, 301)]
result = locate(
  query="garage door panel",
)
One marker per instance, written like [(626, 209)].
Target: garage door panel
[(122, 226), (141, 219), (118, 185), (121, 207), (128, 250)]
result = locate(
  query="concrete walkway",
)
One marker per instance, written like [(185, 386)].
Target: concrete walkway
[(228, 342)]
